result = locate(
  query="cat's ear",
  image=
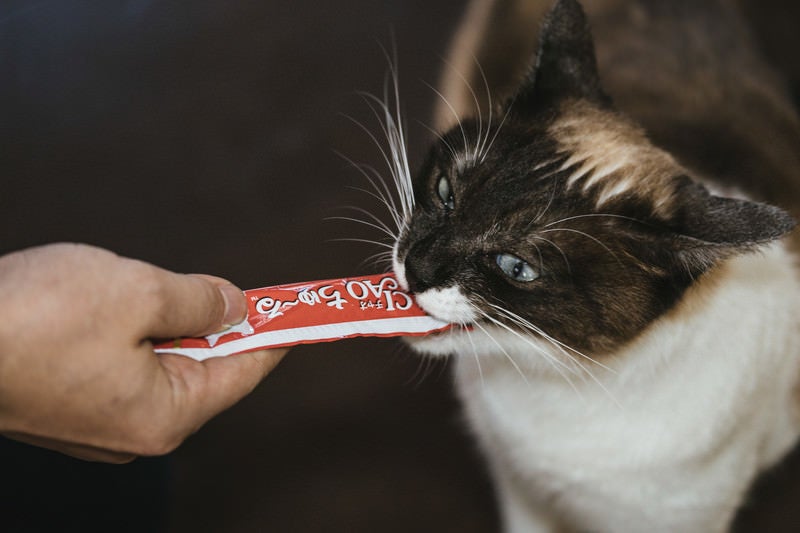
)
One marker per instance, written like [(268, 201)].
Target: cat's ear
[(710, 228), (566, 66)]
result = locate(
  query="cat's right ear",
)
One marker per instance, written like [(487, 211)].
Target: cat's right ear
[(707, 228), (565, 67)]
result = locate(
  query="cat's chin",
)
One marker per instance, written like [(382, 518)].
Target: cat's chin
[(491, 343), (458, 340), (436, 344)]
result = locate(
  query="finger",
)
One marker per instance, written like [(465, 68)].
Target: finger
[(215, 384), (189, 305), (79, 451)]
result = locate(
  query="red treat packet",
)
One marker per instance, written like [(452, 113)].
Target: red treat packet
[(317, 311)]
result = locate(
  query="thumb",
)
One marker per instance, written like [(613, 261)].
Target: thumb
[(192, 305)]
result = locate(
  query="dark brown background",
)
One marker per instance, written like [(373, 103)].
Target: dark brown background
[(200, 135)]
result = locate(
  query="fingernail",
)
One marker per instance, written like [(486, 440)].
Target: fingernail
[(235, 304)]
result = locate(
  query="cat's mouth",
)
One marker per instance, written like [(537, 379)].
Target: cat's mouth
[(448, 304)]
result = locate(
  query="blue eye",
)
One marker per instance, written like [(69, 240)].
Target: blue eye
[(445, 193), (515, 268)]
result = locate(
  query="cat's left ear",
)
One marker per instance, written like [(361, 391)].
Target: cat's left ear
[(710, 228), (566, 66)]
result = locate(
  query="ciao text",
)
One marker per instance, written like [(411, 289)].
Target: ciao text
[(364, 293)]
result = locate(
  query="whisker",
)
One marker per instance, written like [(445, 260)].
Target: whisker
[(364, 222), (557, 247), (383, 153), (393, 129), (381, 257), (556, 342), (384, 194), (528, 341), (511, 359), (440, 137), (541, 259), (476, 149), (572, 230), (553, 361), (546, 208), (516, 333), (592, 215), (373, 217), (497, 132), (398, 166), (426, 370), (394, 158), (482, 151), (468, 333), (419, 374), (455, 114), (381, 261), (538, 330), (368, 241), (400, 130), (561, 346), (394, 215)]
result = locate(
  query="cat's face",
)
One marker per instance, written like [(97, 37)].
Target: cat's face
[(561, 222), (553, 227)]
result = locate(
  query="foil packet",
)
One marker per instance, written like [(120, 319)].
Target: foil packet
[(311, 312)]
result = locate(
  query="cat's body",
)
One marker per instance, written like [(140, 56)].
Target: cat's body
[(632, 354)]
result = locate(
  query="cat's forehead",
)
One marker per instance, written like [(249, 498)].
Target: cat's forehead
[(597, 157)]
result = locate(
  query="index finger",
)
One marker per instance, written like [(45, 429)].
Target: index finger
[(211, 386)]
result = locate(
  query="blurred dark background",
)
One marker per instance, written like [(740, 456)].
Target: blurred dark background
[(200, 135)]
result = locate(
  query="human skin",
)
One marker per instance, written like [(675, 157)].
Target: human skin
[(78, 373)]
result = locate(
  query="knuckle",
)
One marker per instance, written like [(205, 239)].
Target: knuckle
[(152, 292)]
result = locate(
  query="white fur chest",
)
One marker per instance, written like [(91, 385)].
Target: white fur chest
[(677, 425)]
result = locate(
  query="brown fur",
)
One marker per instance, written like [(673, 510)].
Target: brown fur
[(722, 101)]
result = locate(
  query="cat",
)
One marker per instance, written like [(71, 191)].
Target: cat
[(625, 287)]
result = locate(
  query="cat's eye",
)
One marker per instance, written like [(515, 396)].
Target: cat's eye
[(445, 193), (516, 268)]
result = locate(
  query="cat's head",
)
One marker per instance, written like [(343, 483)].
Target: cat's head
[(561, 220)]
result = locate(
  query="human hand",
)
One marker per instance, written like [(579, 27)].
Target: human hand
[(77, 370)]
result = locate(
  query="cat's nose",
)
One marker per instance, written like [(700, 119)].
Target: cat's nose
[(423, 270)]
